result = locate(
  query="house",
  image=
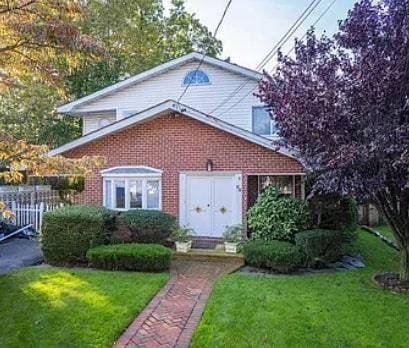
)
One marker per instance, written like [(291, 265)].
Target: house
[(203, 158)]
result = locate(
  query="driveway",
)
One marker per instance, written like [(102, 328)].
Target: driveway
[(18, 252)]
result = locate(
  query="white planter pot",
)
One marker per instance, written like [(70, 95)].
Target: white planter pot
[(183, 247), (231, 247)]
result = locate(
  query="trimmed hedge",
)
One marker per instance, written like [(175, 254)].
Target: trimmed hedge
[(148, 226), (279, 256), (130, 257), (69, 232), (320, 246)]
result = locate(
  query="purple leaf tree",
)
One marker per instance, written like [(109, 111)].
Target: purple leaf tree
[(342, 103)]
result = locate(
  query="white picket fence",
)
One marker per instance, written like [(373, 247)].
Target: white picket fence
[(26, 213)]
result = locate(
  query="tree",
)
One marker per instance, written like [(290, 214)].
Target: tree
[(137, 36), (342, 103), (33, 34), (19, 156), (183, 33), (29, 114)]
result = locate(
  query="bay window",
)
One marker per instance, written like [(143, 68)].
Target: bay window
[(127, 188)]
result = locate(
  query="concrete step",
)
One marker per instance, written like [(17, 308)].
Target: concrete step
[(207, 255), (206, 242)]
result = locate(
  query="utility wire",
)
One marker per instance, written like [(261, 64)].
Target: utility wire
[(304, 15), (292, 49), (204, 52), (271, 53), (305, 34)]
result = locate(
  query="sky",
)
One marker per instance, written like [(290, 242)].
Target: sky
[(252, 27)]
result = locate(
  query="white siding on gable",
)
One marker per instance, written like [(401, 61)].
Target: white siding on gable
[(94, 121), (204, 98)]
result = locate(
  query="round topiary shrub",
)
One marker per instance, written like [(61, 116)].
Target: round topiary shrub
[(130, 257), (67, 233), (147, 226), (277, 217), (279, 256)]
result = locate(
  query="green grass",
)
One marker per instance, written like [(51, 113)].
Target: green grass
[(57, 307), (323, 310), (385, 230)]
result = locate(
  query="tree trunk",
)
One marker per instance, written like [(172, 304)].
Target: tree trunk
[(404, 263), (395, 211)]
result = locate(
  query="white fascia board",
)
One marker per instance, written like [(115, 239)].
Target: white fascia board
[(252, 74), (117, 126), (157, 171), (157, 110), (130, 175), (242, 133)]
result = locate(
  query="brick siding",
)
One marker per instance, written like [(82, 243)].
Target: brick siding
[(175, 143)]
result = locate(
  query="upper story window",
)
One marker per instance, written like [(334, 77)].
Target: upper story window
[(262, 124), (196, 77)]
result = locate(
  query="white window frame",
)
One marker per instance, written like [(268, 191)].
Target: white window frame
[(272, 123), (127, 178), (292, 177), (193, 84)]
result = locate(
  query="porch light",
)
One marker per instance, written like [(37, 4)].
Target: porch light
[(209, 165)]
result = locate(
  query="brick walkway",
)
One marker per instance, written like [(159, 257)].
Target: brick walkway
[(171, 317)]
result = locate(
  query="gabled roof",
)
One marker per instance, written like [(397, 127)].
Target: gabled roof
[(162, 109), (160, 69)]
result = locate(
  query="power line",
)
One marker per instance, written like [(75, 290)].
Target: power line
[(204, 52), (300, 20), (270, 54), (305, 34), (302, 38)]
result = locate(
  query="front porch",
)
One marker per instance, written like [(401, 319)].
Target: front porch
[(211, 201)]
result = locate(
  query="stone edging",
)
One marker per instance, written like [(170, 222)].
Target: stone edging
[(388, 287), (384, 239)]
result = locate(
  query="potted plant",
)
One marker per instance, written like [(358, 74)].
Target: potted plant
[(233, 238), (182, 238)]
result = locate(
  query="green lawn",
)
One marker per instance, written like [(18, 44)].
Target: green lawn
[(324, 310), (50, 307), (385, 230)]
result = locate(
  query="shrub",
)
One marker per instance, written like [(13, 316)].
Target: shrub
[(148, 226), (233, 234), (320, 246), (130, 257), (279, 256), (69, 232), (181, 234), (331, 211), (275, 216)]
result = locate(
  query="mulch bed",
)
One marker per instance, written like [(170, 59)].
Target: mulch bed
[(347, 263), (389, 280)]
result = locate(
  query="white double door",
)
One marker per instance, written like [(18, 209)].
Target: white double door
[(210, 203)]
